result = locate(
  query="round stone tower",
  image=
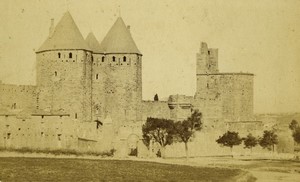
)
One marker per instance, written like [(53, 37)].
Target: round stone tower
[(64, 71), (119, 71), (98, 78)]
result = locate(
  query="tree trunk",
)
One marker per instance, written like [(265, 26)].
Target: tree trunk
[(162, 151), (273, 148), (151, 149), (231, 152), (186, 150)]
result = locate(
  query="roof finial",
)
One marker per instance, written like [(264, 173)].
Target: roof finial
[(119, 11), (67, 4)]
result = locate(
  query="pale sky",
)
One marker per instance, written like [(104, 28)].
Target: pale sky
[(258, 36)]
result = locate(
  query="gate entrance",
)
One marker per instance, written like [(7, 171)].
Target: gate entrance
[(132, 143)]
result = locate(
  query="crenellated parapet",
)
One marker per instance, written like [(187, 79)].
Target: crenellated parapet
[(14, 97), (180, 106)]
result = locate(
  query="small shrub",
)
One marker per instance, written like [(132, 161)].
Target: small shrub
[(133, 152)]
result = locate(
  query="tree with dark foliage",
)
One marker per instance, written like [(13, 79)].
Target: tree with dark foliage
[(229, 139), (186, 129), (161, 131), (296, 135), (294, 125), (250, 142), (156, 97), (269, 140)]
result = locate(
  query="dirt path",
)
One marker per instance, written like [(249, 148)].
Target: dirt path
[(274, 176), (262, 170)]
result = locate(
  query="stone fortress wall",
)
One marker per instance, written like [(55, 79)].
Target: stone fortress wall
[(87, 92), (52, 131), (17, 96), (230, 94), (64, 82), (88, 97), (155, 109), (226, 103), (117, 87)]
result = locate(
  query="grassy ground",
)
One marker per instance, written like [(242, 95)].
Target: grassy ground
[(46, 169), (57, 152)]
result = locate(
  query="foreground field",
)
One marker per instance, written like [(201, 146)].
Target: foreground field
[(50, 169), (264, 170)]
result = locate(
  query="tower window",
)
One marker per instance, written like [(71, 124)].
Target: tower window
[(59, 55), (97, 76), (55, 73), (102, 58), (59, 137), (114, 59), (70, 55), (8, 135), (14, 106), (75, 115), (124, 59)]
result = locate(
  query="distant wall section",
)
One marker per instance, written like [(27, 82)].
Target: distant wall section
[(155, 109), (17, 96), (228, 96)]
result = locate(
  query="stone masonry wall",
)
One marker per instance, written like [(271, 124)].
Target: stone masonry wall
[(180, 107), (65, 83), (207, 59), (156, 109), (17, 96), (37, 132), (227, 96), (52, 132), (237, 96), (118, 90)]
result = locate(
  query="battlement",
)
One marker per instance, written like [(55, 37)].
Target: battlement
[(17, 88), (180, 100), (155, 109), (116, 60), (240, 73), (17, 96), (152, 101), (67, 56)]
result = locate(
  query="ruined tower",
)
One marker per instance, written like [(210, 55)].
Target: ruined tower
[(222, 96), (64, 71)]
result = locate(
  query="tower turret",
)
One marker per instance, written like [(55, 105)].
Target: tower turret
[(64, 71), (122, 69), (99, 77)]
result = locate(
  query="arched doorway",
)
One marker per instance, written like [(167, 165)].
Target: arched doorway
[(132, 145)]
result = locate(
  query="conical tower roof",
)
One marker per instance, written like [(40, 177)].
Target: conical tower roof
[(119, 39), (66, 35), (93, 44)]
